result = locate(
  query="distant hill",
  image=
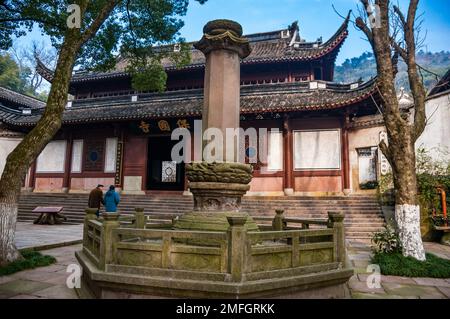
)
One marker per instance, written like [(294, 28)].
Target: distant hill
[(364, 67)]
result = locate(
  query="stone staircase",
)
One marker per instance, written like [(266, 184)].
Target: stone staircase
[(363, 213)]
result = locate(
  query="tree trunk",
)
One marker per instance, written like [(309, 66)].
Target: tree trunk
[(20, 159), (8, 250), (407, 210)]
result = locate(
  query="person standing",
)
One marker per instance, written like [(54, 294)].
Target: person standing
[(112, 199), (96, 198)]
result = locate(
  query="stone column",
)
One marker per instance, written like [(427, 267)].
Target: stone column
[(90, 215), (288, 157), (237, 242), (224, 47), (68, 165), (336, 221), (346, 162), (278, 221), (139, 218), (110, 222), (218, 186)]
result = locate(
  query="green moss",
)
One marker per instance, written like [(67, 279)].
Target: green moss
[(396, 264), (31, 259)]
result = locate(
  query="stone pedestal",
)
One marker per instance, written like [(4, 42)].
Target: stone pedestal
[(218, 189)]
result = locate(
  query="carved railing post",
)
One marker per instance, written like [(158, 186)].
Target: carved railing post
[(278, 220), (139, 218), (237, 236), (336, 221), (110, 222), (90, 215)]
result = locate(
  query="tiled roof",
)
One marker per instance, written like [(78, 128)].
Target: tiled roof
[(442, 86), (21, 100), (255, 99), (266, 47)]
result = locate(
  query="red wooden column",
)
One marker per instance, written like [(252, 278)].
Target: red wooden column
[(345, 157), (31, 178), (68, 165), (288, 158)]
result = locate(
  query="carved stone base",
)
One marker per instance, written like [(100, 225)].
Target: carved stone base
[(213, 196), (218, 189)]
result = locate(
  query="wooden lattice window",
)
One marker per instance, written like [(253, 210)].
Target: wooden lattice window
[(94, 155)]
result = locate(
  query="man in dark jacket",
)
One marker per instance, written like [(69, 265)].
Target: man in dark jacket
[(96, 198)]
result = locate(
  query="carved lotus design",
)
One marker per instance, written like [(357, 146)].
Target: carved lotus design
[(219, 172)]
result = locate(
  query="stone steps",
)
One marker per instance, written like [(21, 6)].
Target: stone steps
[(363, 213)]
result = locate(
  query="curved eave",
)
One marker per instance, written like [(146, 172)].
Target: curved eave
[(301, 54), (254, 100), (20, 99), (442, 86), (43, 70)]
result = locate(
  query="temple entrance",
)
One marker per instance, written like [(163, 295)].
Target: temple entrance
[(162, 172)]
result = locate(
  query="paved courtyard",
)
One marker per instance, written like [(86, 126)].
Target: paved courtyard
[(50, 282), (45, 282), (30, 235)]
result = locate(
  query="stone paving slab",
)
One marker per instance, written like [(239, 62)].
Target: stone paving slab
[(57, 292), (359, 295), (413, 290), (438, 282), (21, 286), (29, 235), (394, 287), (389, 279), (445, 291), (43, 282)]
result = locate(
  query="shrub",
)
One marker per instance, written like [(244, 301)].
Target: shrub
[(395, 264), (386, 241), (31, 259), (369, 185)]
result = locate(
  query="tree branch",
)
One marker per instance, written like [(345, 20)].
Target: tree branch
[(97, 23), (416, 84)]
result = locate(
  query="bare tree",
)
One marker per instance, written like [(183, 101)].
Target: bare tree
[(26, 57), (393, 34)]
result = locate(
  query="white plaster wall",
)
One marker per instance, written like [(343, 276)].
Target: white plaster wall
[(275, 152), (7, 145), (366, 137), (111, 154), (318, 149), (437, 131), (52, 158), (77, 152)]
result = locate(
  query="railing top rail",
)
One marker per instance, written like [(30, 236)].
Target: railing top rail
[(290, 233), (306, 221), (95, 223), (294, 220), (161, 233)]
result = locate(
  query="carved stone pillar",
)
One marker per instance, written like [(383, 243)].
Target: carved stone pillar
[(218, 187)]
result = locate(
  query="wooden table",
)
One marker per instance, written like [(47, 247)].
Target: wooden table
[(49, 215)]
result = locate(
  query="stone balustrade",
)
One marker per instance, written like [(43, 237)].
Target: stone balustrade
[(113, 247)]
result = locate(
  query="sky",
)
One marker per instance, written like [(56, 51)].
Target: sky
[(316, 18)]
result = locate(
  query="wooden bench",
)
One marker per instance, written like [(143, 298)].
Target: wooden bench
[(49, 215)]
